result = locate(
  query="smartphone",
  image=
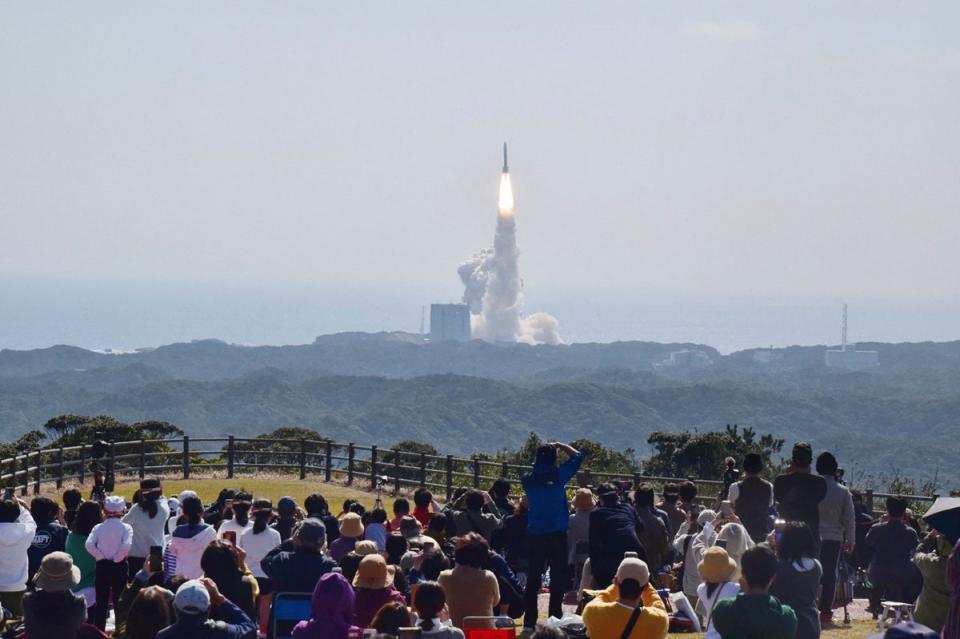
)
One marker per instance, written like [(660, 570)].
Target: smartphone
[(726, 508), (778, 527), (409, 633), (156, 558), (231, 536)]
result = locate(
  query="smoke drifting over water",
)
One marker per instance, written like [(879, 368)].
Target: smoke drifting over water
[(493, 290)]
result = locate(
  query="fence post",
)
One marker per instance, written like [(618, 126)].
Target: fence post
[(83, 462), (13, 471), (636, 480), (373, 467), (449, 477), (60, 468), (351, 454), (143, 457), (423, 470), (505, 470), (230, 453), (186, 457), (476, 472), (36, 473), (303, 459), (328, 461), (869, 497), (111, 470), (396, 472), (26, 473)]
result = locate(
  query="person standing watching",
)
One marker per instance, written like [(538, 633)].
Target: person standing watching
[(838, 532), (752, 498), (50, 536), (109, 543), (892, 571), (547, 521), (614, 529), (798, 492), (17, 529)]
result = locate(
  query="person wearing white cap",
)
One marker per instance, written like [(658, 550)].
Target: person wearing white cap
[(109, 543), (194, 602), (629, 609)]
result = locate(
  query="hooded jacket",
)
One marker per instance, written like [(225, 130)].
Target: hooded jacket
[(546, 491), (15, 539), (187, 545), (296, 571), (331, 610), (230, 623)]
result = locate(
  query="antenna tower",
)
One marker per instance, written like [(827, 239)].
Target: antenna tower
[(843, 330), (423, 319)]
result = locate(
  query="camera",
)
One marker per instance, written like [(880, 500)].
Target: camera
[(99, 449), (382, 479)]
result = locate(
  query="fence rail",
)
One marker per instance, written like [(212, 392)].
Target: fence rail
[(347, 462)]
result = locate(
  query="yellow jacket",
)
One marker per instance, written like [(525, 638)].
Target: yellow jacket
[(606, 618)]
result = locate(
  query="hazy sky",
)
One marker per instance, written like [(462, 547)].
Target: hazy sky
[(760, 149)]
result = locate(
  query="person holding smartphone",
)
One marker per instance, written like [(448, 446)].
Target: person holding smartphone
[(148, 519)]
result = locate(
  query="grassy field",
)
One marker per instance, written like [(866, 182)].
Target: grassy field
[(858, 630)]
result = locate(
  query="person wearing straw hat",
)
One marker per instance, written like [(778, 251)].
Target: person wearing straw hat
[(373, 585), (351, 531), (53, 610), (716, 570)]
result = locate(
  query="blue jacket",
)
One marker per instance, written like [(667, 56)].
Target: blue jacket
[(231, 623), (546, 488)]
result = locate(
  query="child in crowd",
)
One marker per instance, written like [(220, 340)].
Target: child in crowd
[(109, 543), (376, 530), (401, 509), (71, 502), (755, 614)]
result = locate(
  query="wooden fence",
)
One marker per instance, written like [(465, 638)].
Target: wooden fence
[(349, 463)]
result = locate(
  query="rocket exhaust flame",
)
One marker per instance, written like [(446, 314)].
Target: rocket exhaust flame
[(505, 202)]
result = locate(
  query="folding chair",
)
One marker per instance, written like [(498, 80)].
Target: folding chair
[(489, 628), (287, 609)]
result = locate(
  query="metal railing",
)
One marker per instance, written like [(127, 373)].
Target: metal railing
[(349, 463)]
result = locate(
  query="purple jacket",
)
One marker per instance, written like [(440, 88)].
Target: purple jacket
[(368, 602), (331, 609)]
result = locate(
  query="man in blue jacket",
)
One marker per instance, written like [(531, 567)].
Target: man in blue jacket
[(547, 522), (195, 601)]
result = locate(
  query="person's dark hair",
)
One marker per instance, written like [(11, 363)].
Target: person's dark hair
[(759, 566), (401, 506), (88, 516), (548, 632), (316, 504), (546, 455), (149, 613), (472, 550), (896, 506), (422, 498), (458, 492), (72, 498), (857, 496), (394, 547), (608, 494), (802, 455), (474, 500), (438, 522), (192, 509), (263, 512), (390, 618), (224, 495), (500, 488), (670, 493), (796, 542), (43, 510), (688, 491), (630, 588), (174, 583), (241, 507), (348, 504), (752, 463), (219, 562), (378, 516), (148, 501), (432, 565), (827, 465), (357, 507), (643, 496), (9, 511), (429, 603)]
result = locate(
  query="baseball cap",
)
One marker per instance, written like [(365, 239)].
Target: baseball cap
[(633, 568), (114, 504), (187, 493), (907, 630), (192, 598)]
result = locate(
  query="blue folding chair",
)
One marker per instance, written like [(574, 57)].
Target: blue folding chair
[(287, 610)]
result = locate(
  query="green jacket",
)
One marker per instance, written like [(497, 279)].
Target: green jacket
[(82, 560), (754, 617)]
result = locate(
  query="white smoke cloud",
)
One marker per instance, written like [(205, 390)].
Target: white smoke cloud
[(492, 289)]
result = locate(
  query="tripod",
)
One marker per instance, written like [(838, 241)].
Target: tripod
[(844, 577)]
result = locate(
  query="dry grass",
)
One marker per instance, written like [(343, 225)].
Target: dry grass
[(857, 630)]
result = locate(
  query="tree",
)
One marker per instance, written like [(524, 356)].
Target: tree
[(262, 449), (695, 454)]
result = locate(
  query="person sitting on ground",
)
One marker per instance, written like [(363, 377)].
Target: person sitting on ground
[(374, 587), (376, 528), (670, 505), (429, 605), (578, 532), (838, 533), (424, 506), (331, 611), (473, 514), (614, 529), (629, 608), (317, 508), (716, 571), (511, 590), (432, 565), (401, 509), (754, 613), (500, 491), (690, 555), (934, 600), (390, 618), (471, 590), (351, 561), (109, 543), (286, 517), (892, 572), (437, 529), (411, 531), (653, 535), (299, 569), (17, 529), (50, 537), (799, 493), (351, 531), (688, 494), (547, 521), (71, 498), (752, 498), (88, 516), (52, 610), (221, 562), (195, 602), (148, 520), (798, 576), (190, 539), (150, 612)]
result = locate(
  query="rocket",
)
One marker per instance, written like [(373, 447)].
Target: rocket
[(506, 169)]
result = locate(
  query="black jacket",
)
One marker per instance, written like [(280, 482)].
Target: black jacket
[(233, 624)]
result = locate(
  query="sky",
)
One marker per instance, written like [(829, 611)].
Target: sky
[(235, 155)]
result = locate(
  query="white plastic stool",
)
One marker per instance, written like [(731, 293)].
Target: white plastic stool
[(895, 610)]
